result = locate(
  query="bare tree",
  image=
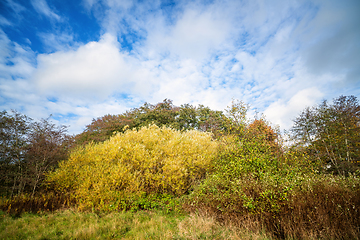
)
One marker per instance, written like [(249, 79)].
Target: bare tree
[(28, 150), (48, 145)]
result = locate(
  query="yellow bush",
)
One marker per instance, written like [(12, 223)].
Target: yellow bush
[(151, 160)]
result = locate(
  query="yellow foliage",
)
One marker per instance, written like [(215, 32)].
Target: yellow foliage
[(151, 160)]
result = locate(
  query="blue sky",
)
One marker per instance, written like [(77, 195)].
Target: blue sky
[(79, 60)]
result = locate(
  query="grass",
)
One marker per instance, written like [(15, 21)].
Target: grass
[(71, 224)]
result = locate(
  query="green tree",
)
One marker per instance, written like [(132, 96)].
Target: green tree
[(210, 120), (161, 114), (185, 117), (331, 132), (236, 120), (100, 129), (13, 139)]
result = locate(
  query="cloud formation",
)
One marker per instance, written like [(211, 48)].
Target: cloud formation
[(280, 57), (94, 69)]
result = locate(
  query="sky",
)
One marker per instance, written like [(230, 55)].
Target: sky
[(82, 59)]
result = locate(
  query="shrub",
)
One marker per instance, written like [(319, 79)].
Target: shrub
[(281, 192), (151, 160)]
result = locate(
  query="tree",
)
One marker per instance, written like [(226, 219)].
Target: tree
[(332, 133), (185, 117), (236, 117), (102, 128), (48, 144), (13, 139), (28, 150), (210, 120), (268, 137), (161, 114)]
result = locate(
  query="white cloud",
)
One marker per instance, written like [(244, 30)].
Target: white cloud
[(332, 41), (17, 8), (93, 70), (15, 60), (42, 7), (194, 35), (57, 42), (278, 56), (4, 21), (283, 112), (89, 3), (5, 51)]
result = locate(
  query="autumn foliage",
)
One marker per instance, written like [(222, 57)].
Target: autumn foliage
[(28, 150), (223, 164), (150, 160)]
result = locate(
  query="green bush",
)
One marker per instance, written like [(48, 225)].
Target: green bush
[(282, 192)]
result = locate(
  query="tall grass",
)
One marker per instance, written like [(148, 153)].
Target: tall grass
[(71, 224), (46, 201)]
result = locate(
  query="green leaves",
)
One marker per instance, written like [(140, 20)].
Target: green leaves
[(331, 132)]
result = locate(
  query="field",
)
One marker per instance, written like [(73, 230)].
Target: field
[(71, 224)]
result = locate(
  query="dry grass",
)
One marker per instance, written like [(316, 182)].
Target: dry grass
[(70, 224), (206, 227)]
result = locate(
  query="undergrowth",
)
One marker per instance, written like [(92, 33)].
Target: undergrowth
[(282, 193)]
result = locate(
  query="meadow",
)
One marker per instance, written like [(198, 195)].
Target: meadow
[(226, 178), (71, 224)]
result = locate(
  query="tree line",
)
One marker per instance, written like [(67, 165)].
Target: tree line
[(328, 132), (28, 150)]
